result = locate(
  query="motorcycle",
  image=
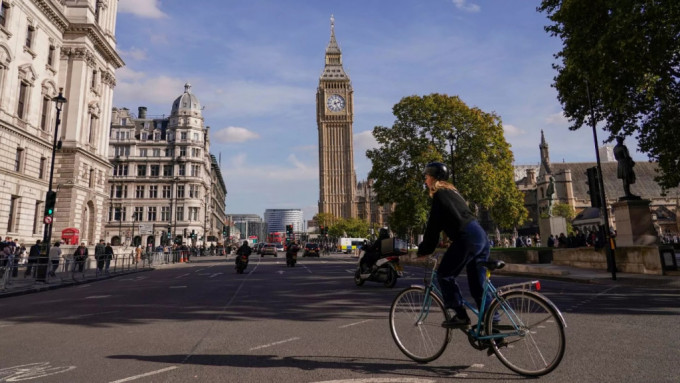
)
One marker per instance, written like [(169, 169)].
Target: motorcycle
[(291, 256), (241, 263), (386, 269)]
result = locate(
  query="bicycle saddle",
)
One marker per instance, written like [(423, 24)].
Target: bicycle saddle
[(493, 264)]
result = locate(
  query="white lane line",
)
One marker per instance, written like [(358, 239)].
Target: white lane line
[(89, 315), (181, 276), (215, 274), (97, 296), (355, 323), (144, 375), (178, 287), (274, 344)]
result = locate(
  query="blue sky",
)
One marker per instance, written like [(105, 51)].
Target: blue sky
[(255, 66)]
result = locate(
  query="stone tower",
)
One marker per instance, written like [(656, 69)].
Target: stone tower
[(334, 116)]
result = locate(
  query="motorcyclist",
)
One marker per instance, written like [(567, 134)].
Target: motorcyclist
[(373, 252), (243, 250), (292, 249)]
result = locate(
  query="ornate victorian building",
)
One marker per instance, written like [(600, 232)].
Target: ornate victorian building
[(164, 184), (47, 46)]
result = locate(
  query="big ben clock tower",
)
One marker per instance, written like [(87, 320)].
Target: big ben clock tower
[(334, 117)]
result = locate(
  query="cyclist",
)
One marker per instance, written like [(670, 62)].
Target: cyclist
[(469, 245)]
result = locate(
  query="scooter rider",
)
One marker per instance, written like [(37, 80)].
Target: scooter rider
[(372, 252), (293, 249), (243, 250)]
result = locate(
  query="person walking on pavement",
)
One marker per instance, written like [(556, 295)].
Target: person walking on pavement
[(55, 257), (138, 253), (33, 255), (99, 251), (108, 256), (469, 244), (80, 256)]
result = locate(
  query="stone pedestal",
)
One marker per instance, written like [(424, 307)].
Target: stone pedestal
[(634, 225), (551, 225)]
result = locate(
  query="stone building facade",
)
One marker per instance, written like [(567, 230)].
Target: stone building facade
[(164, 184), (571, 188), (48, 46)]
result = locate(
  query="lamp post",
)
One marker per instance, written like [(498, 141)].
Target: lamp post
[(604, 210), (43, 260), (173, 201), (452, 138)]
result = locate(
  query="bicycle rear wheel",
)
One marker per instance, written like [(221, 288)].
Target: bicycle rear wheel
[(534, 344), (416, 324)]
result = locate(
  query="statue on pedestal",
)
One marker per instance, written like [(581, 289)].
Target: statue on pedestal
[(549, 193), (624, 171)]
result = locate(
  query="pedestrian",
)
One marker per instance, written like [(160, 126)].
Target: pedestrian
[(33, 255), (99, 251), (138, 253), (80, 255), (69, 261), (469, 245), (55, 258), (9, 255), (108, 256), (551, 241)]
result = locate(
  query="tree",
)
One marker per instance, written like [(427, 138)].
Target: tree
[(324, 220), (352, 228), (563, 210), (625, 56), (482, 158)]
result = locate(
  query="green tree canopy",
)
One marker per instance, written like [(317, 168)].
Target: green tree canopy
[(423, 131), (626, 55), (352, 228)]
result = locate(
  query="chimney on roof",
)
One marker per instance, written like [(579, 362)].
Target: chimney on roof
[(142, 112)]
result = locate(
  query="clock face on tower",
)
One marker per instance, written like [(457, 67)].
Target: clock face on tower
[(335, 103)]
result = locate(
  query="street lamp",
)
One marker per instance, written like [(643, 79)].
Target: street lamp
[(452, 138), (59, 102), (173, 201)]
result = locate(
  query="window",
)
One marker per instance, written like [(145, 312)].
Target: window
[(123, 121), (23, 94), (195, 170), (141, 170), (93, 128), (93, 84), (13, 205), (195, 152), (155, 170), (167, 191), (119, 191), (180, 191), (138, 215), (157, 136), (183, 136), (30, 34), (193, 191), (41, 168), (117, 213), (193, 214), (181, 170), (196, 137), (152, 214), (142, 153), (182, 151), (37, 218), (153, 191), (139, 192), (156, 152), (120, 170), (179, 213), (165, 213), (45, 113), (168, 170), (97, 11), (90, 180), (4, 12), (168, 152), (144, 136), (121, 150), (50, 55), (19, 160)]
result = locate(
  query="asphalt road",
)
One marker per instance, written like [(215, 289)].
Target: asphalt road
[(202, 322)]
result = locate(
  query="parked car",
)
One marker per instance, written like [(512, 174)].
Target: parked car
[(268, 249), (258, 247), (311, 250)]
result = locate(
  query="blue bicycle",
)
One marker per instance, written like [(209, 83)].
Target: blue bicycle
[(521, 326)]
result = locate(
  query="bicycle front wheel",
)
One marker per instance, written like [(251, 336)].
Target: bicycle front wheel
[(416, 324), (534, 341)]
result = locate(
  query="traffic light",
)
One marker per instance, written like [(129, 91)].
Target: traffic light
[(193, 234), (321, 230), (593, 187), (50, 201), (168, 234), (185, 233)]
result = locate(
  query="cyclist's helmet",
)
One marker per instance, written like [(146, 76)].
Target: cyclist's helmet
[(437, 170), (383, 233)]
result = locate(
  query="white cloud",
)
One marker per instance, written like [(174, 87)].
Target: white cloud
[(465, 6), (512, 131), (136, 87), (134, 54), (149, 9), (233, 134), (557, 119), (364, 141)]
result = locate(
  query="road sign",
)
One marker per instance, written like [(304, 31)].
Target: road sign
[(146, 229), (47, 220)]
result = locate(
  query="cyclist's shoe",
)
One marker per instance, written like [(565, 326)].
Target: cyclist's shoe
[(500, 342), (456, 322)]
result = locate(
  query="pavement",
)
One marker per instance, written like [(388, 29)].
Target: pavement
[(671, 280)]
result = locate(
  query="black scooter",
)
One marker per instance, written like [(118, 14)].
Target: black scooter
[(241, 263), (385, 270), (291, 256)]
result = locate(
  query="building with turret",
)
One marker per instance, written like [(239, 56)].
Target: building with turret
[(164, 186)]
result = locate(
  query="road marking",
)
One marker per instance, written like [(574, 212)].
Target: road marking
[(355, 323), (144, 375), (215, 274), (280, 272), (88, 315), (31, 371), (97, 296), (181, 276), (379, 380), (178, 287), (274, 344)]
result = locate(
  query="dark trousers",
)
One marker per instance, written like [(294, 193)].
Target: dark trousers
[(466, 250)]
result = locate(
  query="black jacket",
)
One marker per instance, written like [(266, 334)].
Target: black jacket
[(449, 213)]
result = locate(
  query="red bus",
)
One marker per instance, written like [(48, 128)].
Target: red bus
[(277, 237)]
